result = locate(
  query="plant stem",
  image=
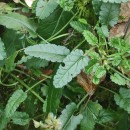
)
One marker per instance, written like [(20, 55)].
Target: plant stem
[(35, 85), (63, 27), (82, 100), (27, 87), (79, 44), (46, 41), (108, 89), (119, 73), (62, 35)]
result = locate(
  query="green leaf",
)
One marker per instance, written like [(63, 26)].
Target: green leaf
[(3, 121), (90, 38), (54, 23), (45, 8), (14, 101), (109, 14), (20, 118), (19, 22), (73, 64), (78, 26), (123, 99), (90, 116), (67, 5), (100, 72), (9, 63), (96, 6), (89, 68), (70, 122), (106, 116), (114, 1), (2, 50), (116, 78), (36, 63), (53, 99), (49, 52)]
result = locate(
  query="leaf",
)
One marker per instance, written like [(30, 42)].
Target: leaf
[(14, 101), (3, 121), (2, 50), (49, 52), (23, 59), (90, 116), (114, 1), (123, 99), (96, 6), (9, 63), (20, 118), (116, 78), (90, 38), (54, 23), (78, 26), (106, 116), (100, 72), (67, 5), (19, 22), (73, 64), (45, 8), (109, 14), (70, 122), (36, 63), (53, 99)]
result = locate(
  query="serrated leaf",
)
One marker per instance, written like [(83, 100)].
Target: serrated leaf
[(14, 101), (106, 116), (16, 21), (123, 99), (90, 38), (24, 59), (2, 50), (73, 64), (114, 1), (100, 72), (109, 14), (20, 118), (96, 6), (70, 122), (49, 52), (78, 26), (90, 116), (45, 8), (116, 78), (36, 63), (67, 5)]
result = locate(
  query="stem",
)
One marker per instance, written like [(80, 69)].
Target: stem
[(108, 89), (23, 4), (35, 85), (27, 87), (46, 41), (82, 100), (62, 35), (119, 73), (8, 85), (63, 27), (79, 44)]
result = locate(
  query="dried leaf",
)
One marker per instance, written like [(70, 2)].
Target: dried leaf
[(86, 82)]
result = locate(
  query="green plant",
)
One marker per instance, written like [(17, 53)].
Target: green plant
[(59, 70)]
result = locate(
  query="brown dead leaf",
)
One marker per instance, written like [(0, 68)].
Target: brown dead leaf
[(86, 82), (124, 12)]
